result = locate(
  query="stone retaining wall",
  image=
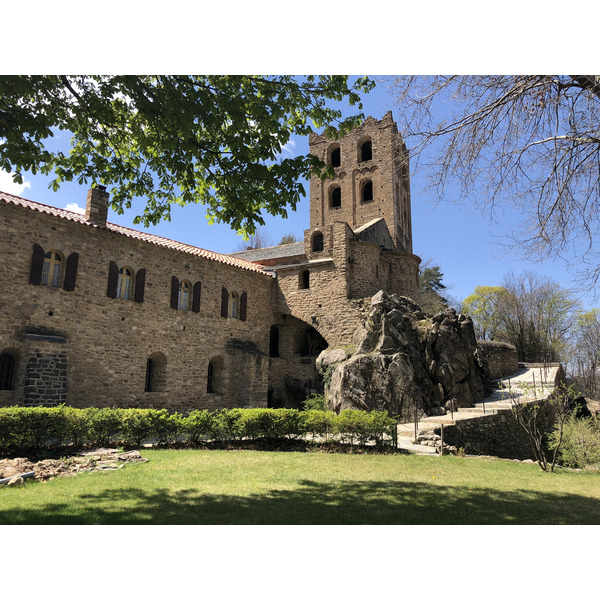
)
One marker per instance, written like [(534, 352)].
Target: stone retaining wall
[(496, 434), (501, 358)]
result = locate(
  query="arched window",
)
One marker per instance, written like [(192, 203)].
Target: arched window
[(149, 375), (51, 269), (367, 192), (156, 373), (317, 242), (336, 197), (214, 376), (7, 368), (304, 280), (210, 379), (366, 151), (234, 305), (125, 283), (184, 296), (335, 157), (274, 341)]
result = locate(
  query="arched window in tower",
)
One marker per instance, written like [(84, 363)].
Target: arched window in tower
[(367, 191), (336, 197), (317, 242), (366, 151), (335, 156)]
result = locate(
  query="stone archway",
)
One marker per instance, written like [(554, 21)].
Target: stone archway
[(292, 373)]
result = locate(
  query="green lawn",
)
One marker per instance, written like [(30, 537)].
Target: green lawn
[(245, 487)]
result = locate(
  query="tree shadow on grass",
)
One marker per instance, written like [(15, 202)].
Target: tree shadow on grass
[(313, 503)]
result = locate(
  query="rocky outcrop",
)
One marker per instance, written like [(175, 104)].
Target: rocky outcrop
[(403, 359)]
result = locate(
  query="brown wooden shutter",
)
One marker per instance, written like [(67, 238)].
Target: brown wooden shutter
[(174, 292), (196, 297), (37, 265), (243, 306), (71, 272), (224, 302), (113, 278), (140, 285)]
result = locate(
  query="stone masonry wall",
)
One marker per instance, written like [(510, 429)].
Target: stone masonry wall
[(108, 341), (501, 358), (387, 170), (496, 434)]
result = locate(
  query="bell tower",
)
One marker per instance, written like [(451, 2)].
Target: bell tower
[(371, 180)]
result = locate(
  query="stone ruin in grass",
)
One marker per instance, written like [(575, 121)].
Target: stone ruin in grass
[(402, 358)]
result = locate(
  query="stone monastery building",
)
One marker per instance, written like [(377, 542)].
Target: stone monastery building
[(95, 314)]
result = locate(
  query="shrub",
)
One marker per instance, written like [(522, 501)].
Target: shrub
[(136, 426), (580, 442), (105, 425), (227, 424), (164, 426), (378, 425), (353, 423), (315, 402), (197, 425), (318, 423), (76, 423)]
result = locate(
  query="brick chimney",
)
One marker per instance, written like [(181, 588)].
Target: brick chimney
[(96, 209)]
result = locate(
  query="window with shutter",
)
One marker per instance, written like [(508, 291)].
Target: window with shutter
[(113, 279), (37, 265), (243, 306), (224, 302), (174, 292), (234, 305), (197, 296), (124, 283), (140, 285), (51, 270), (184, 295), (71, 272)]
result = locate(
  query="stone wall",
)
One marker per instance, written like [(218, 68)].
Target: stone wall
[(496, 434), (502, 359), (107, 341)]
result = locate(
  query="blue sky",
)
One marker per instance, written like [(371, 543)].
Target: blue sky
[(465, 243)]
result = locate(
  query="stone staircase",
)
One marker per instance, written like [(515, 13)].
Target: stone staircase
[(531, 382)]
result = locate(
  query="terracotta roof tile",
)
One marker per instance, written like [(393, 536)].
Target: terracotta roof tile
[(140, 235)]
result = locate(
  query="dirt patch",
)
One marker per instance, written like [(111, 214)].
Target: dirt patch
[(97, 460)]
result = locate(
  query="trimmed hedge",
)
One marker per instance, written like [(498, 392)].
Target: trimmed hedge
[(42, 428)]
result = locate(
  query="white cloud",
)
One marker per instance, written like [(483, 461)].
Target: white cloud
[(74, 207), (289, 147), (9, 186)]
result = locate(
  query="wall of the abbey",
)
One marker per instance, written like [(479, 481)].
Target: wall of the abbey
[(200, 329), (93, 350)]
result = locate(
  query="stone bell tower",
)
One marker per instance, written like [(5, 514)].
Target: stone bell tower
[(371, 180)]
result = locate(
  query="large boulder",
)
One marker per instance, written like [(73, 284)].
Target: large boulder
[(402, 359)]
